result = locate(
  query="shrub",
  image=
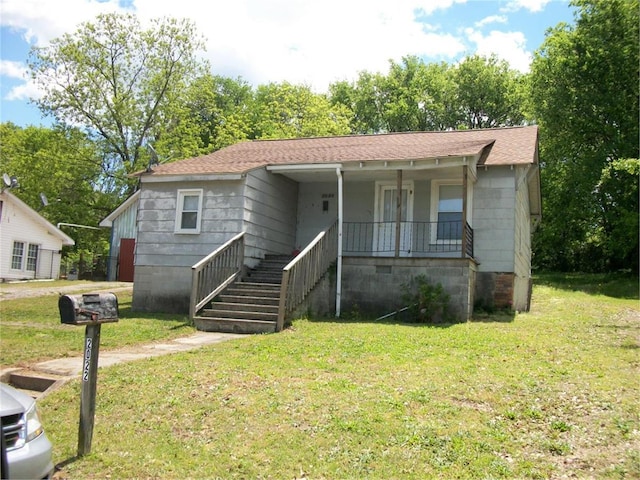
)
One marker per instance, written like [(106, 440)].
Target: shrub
[(428, 303)]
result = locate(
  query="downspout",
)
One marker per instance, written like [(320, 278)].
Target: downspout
[(339, 264)]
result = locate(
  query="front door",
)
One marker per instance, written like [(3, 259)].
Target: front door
[(386, 213)]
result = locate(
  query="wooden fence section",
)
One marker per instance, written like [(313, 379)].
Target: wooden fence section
[(304, 271), (215, 272)]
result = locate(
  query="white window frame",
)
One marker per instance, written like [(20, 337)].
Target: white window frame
[(32, 258), (435, 201), (20, 257), (24, 258), (182, 193)]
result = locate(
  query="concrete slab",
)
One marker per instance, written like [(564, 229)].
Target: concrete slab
[(72, 366)]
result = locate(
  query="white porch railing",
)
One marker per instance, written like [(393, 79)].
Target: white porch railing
[(303, 272), (215, 272)]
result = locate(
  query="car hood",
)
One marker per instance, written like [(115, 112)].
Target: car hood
[(13, 401)]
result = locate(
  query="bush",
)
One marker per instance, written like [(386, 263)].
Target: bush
[(428, 303)]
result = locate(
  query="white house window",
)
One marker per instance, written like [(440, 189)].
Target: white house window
[(446, 211), (17, 255), (189, 211), (32, 258), (21, 252)]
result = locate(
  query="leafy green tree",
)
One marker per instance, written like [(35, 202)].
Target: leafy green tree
[(584, 94), (63, 166), (116, 79), (618, 193), (420, 97), (291, 111), (489, 92), (362, 99)]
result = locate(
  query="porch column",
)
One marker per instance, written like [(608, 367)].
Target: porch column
[(464, 210), (398, 211), (339, 262)]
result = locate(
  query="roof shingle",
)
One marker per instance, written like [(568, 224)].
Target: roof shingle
[(504, 146)]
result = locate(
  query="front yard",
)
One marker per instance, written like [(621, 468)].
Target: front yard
[(548, 394)]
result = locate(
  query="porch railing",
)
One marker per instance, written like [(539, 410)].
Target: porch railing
[(304, 271), (418, 239), (215, 272)]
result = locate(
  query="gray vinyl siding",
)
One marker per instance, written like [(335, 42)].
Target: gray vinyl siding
[(164, 258), (157, 242), (124, 226), (494, 219), (269, 214), (522, 243), (311, 219)]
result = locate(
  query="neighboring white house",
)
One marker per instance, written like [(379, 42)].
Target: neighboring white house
[(30, 246)]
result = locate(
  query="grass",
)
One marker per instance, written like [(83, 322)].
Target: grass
[(30, 330), (548, 394)]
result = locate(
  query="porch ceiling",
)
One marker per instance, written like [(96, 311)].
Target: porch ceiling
[(376, 170)]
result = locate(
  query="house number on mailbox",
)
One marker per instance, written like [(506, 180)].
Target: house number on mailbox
[(87, 360)]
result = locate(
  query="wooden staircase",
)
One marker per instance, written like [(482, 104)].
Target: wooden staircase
[(250, 305)]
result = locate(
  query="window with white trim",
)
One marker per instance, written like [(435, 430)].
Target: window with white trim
[(17, 255), (189, 211), (32, 258), (446, 211)]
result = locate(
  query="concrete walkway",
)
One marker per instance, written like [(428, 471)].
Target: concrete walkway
[(42, 378), (72, 366)]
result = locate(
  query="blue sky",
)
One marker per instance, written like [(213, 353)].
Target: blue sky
[(300, 41)]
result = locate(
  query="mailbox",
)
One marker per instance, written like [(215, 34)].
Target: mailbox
[(88, 308)]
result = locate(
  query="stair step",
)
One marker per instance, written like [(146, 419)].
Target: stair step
[(259, 285), (238, 314), (245, 307), (233, 325), (252, 291), (230, 298)]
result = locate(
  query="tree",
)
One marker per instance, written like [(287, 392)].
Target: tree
[(415, 96), (116, 79), (584, 94), (420, 97), (490, 94), (291, 111), (63, 165), (362, 99)]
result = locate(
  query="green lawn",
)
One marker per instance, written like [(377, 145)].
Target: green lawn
[(30, 330), (548, 394)]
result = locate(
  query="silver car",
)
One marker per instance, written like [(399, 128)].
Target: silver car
[(26, 450)]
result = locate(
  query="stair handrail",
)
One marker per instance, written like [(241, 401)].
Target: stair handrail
[(305, 270), (215, 272)]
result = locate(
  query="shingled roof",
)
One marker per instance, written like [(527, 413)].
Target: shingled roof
[(499, 146)]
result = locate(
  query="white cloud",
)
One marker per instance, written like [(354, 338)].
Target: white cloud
[(301, 41), (491, 19), (508, 46), (13, 69), (531, 5), (41, 21)]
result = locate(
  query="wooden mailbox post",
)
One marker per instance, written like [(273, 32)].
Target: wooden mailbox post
[(91, 310)]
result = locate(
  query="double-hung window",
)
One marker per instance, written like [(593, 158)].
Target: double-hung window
[(32, 258), (24, 256), (189, 211), (446, 212), (17, 255)]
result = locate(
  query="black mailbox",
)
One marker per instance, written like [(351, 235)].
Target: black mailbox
[(88, 309)]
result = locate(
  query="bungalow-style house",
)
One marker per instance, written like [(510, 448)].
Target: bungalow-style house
[(353, 219), (31, 246)]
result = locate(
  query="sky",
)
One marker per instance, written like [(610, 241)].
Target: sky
[(310, 42)]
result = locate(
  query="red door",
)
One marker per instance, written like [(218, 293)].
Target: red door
[(125, 260)]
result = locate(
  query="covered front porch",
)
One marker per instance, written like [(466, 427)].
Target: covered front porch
[(379, 225)]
